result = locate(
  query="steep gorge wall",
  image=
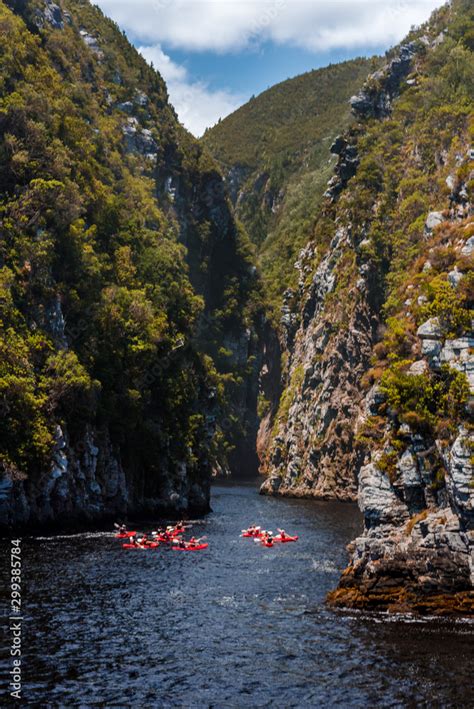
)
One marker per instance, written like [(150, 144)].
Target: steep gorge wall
[(378, 355), (128, 294)]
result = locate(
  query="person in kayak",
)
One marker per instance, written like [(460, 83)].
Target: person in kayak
[(283, 534), (142, 541), (181, 544), (193, 542)]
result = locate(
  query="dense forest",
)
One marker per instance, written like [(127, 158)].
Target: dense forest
[(129, 297)]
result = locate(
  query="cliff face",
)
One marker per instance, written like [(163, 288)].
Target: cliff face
[(416, 488), (129, 302), (312, 453), (378, 362)]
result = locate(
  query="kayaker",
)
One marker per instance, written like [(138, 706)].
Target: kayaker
[(123, 529), (142, 541), (193, 541), (282, 534), (269, 539), (181, 544)]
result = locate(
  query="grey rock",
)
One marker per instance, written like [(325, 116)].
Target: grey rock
[(432, 221), (377, 499), (455, 277), (375, 98), (409, 470), (271, 485), (141, 99), (92, 43), (430, 330), (417, 368), (126, 106), (468, 247), (56, 324), (139, 140), (53, 15), (431, 348)]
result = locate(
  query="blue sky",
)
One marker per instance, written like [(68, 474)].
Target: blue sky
[(214, 54)]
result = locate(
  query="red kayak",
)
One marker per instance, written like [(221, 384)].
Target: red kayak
[(194, 547), (255, 535), (150, 545), (126, 535), (286, 539)]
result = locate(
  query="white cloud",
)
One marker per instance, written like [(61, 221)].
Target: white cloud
[(231, 25), (197, 106), (235, 25)]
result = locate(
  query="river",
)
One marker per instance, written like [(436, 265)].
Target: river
[(236, 625)]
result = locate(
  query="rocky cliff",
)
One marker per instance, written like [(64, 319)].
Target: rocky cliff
[(377, 364), (129, 298)]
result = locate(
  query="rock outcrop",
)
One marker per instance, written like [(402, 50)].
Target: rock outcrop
[(417, 551), (313, 452), (346, 167), (375, 99)]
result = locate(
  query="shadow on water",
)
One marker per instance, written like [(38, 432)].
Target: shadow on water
[(237, 625)]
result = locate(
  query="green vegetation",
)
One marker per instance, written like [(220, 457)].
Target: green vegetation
[(278, 146), (88, 142), (406, 160)]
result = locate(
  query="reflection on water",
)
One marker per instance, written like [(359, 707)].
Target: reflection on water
[(237, 625)]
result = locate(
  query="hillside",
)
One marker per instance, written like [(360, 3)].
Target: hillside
[(274, 152), (378, 340), (128, 294)]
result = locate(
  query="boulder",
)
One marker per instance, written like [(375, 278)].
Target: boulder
[(432, 221), (430, 330), (468, 247), (455, 277), (431, 348), (419, 367)]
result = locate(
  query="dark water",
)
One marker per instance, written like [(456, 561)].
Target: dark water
[(237, 625)]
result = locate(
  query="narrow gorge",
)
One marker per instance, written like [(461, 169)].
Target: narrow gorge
[(293, 292)]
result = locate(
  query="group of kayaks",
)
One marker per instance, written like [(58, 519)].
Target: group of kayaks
[(266, 538), (171, 536)]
